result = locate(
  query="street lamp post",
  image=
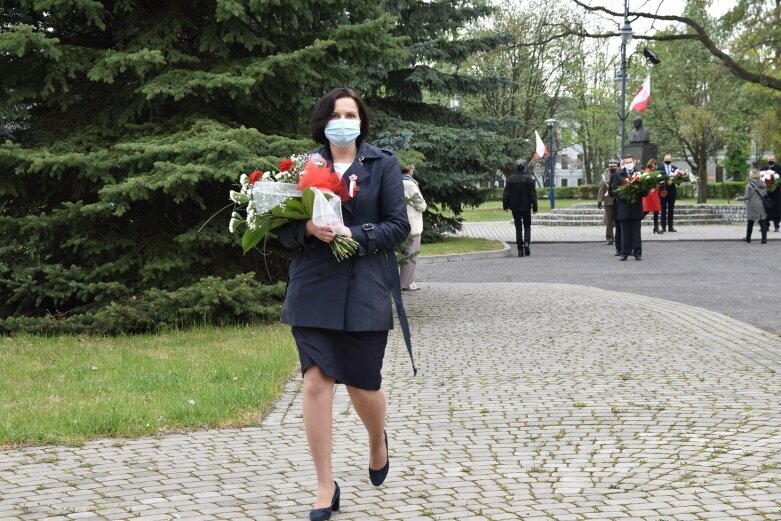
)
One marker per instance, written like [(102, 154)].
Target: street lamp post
[(626, 37), (551, 179)]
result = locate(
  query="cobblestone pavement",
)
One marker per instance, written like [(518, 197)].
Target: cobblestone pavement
[(505, 231), (516, 413)]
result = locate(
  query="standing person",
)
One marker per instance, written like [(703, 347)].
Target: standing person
[(652, 202), (603, 198), (628, 215), (416, 205), (774, 214), (668, 202), (755, 208), (520, 196), (340, 312)]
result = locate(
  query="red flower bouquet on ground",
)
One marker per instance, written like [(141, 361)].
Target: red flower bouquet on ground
[(303, 188)]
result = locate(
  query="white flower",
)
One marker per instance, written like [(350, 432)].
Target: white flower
[(234, 222), (243, 179), (191, 402), (266, 176)]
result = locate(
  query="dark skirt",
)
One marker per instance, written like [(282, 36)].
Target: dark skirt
[(352, 358)]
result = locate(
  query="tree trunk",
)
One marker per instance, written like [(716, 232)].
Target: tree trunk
[(702, 176)]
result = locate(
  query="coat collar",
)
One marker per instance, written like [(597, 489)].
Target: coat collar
[(357, 168)]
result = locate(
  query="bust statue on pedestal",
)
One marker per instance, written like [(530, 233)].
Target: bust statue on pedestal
[(640, 146), (640, 134)]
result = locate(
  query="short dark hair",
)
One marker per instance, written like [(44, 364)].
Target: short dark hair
[(324, 109), (405, 170)]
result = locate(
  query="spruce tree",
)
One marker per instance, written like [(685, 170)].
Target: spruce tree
[(461, 150), (125, 123)]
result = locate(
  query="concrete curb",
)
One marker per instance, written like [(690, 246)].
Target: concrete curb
[(455, 257)]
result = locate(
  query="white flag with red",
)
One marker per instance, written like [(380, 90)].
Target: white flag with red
[(640, 103), (540, 149)]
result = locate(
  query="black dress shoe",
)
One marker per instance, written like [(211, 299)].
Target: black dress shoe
[(377, 477), (526, 249), (672, 230), (322, 514), (609, 242), (520, 251), (616, 254), (638, 257), (624, 257)]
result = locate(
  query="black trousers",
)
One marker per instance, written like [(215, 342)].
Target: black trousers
[(618, 239), (523, 226), (764, 224), (631, 243), (668, 212)]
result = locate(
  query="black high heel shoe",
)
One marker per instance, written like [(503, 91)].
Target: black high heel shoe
[(377, 477), (322, 514)]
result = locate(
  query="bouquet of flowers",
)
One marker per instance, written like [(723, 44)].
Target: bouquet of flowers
[(304, 187), (638, 185), (682, 176), (770, 178)]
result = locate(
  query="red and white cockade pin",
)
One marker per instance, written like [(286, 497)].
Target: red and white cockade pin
[(353, 185)]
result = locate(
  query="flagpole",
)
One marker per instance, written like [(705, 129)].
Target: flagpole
[(626, 37)]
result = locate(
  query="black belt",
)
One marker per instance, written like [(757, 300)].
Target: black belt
[(394, 280)]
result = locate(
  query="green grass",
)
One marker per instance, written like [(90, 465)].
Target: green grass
[(459, 245), (68, 389), (492, 210)]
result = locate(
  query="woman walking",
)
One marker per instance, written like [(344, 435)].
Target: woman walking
[(651, 202), (755, 208), (340, 312)]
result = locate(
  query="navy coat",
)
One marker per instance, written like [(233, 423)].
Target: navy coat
[(624, 211), (672, 190), (355, 294)]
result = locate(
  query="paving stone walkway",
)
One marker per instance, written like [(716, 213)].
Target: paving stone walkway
[(532, 402)]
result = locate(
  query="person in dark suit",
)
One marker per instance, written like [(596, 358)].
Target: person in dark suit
[(668, 201), (774, 214), (628, 215), (520, 197), (340, 312)]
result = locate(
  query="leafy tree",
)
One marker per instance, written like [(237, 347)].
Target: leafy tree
[(694, 103), (752, 29), (130, 121), (736, 159)]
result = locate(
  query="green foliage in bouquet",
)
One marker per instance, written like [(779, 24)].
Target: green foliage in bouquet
[(638, 185)]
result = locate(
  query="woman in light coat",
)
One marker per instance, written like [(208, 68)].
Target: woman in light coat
[(416, 205), (755, 208)]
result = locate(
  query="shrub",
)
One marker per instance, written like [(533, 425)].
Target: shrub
[(211, 300)]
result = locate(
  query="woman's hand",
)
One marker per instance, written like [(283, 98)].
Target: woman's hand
[(327, 233), (324, 233)]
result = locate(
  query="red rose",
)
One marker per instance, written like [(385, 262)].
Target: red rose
[(285, 165), (257, 174)]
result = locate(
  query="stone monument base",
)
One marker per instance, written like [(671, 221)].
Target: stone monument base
[(642, 152)]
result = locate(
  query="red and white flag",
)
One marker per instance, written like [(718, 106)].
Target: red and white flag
[(640, 103), (540, 149)]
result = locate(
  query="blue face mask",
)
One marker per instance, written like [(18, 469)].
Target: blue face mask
[(343, 132)]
